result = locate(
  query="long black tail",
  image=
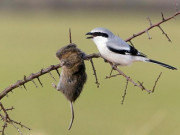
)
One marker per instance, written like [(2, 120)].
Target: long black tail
[(162, 64)]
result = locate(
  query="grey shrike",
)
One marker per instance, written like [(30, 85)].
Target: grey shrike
[(116, 50)]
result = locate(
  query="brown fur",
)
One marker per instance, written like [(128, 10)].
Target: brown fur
[(73, 75)]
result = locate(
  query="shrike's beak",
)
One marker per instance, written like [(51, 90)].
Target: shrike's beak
[(91, 35)]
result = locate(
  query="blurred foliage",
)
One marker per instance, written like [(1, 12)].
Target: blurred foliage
[(29, 41)]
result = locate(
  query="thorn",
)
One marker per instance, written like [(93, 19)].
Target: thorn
[(34, 83), (24, 86), (52, 77), (176, 5), (163, 32), (131, 43), (94, 73), (40, 82), (141, 84), (125, 92), (149, 37), (58, 72), (41, 71), (25, 78), (162, 16), (156, 82), (52, 67), (148, 18), (70, 38)]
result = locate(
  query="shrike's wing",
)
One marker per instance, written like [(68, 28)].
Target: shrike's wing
[(121, 47)]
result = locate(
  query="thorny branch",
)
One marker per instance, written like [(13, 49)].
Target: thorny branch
[(125, 92), (3, 112), (7, 120), (94, 70), (153, 25), (29, 78)]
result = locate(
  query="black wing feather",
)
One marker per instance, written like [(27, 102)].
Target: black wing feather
[(132, 51)]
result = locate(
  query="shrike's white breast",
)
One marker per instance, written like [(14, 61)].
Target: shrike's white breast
[(116, 58)]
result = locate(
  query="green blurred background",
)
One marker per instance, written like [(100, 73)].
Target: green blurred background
[(32, 31)]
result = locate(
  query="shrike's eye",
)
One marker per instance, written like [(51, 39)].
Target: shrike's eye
[(95, 34)]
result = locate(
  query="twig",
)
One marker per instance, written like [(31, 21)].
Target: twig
[(58, 72), (70, 38), (34, 83), (150, 22), (149, 37), (108, 77), (7, 120), (40, 82), (162, 15), (52, 77), (10, 109), (131, 43), (156, 82), (95, 74), (152, 26), (165, 33), (130, 80), (176, 6), (125, 92)]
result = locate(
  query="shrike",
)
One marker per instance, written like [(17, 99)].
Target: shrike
[(116, 50)]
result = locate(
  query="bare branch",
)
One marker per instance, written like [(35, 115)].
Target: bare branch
[(27, 79), (125, 92), (108, 77), (152, 26), (95, 74), (156, 82), (149, 37), (70, 38), (7, 120), (162, 16), (130, 80), (165, 33), (58, 72), (131, 43), (176, 6), (150, 22)]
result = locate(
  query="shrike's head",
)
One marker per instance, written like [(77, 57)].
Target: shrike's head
[(99, 33)]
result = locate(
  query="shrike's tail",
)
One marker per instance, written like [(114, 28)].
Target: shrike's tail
[(162, 64)]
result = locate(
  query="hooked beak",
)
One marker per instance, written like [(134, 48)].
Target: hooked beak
[(91, 35)]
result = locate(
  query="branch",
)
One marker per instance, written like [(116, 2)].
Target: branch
[(7, 120), (95, 74), (156, 82), (152, 26), (130, 80), (125, 92), (29, 78)]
